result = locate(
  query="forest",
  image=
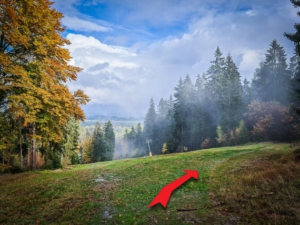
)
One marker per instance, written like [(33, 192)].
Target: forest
[(40, 117), (221, 110)]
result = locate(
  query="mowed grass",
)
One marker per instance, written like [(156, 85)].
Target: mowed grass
[(72, 196)]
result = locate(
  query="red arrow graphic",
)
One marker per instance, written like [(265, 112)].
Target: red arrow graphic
[(165, 193)]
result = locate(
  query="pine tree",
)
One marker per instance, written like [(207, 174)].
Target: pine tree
[(150, 128), (131, 139), (110, 139), (203, 120), (139, 140), (272, 80), (247, 94), (70, 141), (99, 144), (161, 121), (162, 109), (215, 75), (216, 79), (87, 148), (174, 140), (230, 101), (200, 85), (184, 110), (295, 37)]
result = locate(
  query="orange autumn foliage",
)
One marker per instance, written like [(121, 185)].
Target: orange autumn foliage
[(271, 121), (34, 68)]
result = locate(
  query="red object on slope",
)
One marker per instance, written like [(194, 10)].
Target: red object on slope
[(165, 193)]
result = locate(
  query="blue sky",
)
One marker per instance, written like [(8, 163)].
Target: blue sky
[(132, 50)]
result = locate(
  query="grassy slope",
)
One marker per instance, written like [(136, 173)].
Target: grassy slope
[(232, 187)]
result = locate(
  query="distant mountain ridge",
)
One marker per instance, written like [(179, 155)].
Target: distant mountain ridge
[(112, 118)]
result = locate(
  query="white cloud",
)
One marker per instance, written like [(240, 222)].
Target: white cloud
[(250, 60), (130, 76), (75, 23), (250, 13)]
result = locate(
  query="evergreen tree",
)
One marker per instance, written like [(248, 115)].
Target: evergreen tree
[(162, 109), (110, 140), (184, 110), (230, 100), (139, 138), (161, 121), (150, 128), (70, 141), (216, 78), (99, 144), (87, 147), (247, 94), (189, 112), (295, 37), (203, 120), (272, 80), (175, 138), (200, 85)]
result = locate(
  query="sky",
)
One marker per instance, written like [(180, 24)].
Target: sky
[(132, 50)]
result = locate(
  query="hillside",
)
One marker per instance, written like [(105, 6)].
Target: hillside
[(248, 184), (116, 121)]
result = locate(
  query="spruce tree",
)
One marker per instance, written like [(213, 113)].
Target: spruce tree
[(139, 140), (99, 144), (200, 85), (272, 80), (175, 138), (162, 121), (216, 78), (215, 74), (150, 127), (295, 37), (247, 94), (230, 100), (184, 110), (110, 140)]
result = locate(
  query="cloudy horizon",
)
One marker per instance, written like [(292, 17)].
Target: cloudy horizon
[(132, 51)]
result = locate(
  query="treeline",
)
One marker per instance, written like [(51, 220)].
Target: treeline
[(38, 113), (98, 144), (219, 109)]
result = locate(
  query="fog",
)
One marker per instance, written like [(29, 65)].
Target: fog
[(127, 61)]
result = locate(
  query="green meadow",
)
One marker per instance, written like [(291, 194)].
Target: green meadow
[(250, 184)]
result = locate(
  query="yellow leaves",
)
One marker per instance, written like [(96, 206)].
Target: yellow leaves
[(34, 67), (80, 97)]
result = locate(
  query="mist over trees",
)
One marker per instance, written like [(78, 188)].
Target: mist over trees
[(294, 66), (219, 109), (39, 115), (97, 144)]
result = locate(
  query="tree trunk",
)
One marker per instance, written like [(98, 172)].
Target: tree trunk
[(33, 148), (28, 158), (21, 150)]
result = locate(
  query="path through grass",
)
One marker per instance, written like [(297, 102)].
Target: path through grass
[(73, 197)]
